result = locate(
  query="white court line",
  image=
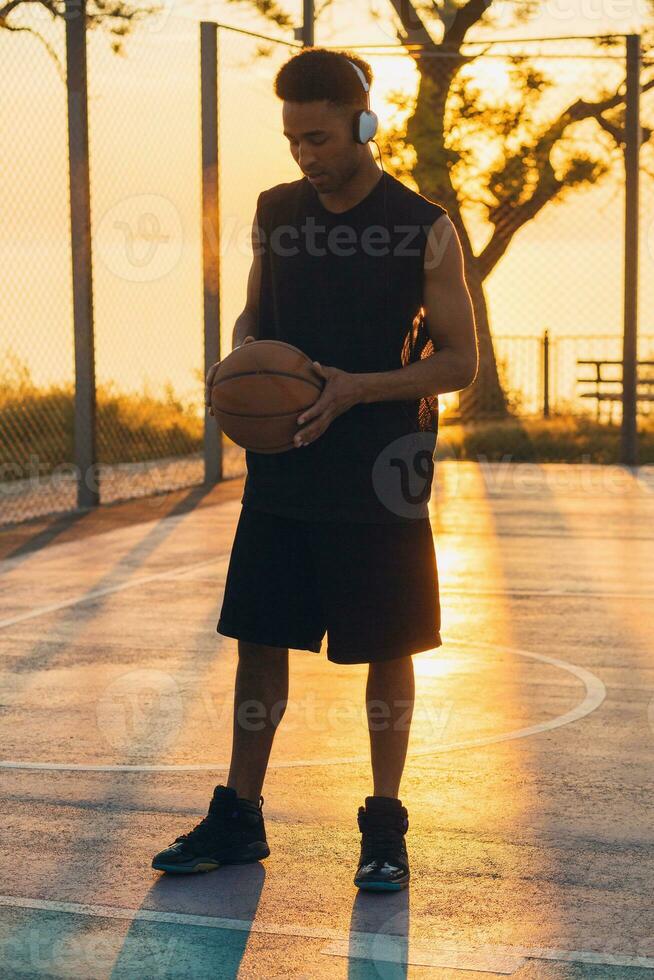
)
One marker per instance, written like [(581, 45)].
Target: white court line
[(131, 583), (385, 948), (381, 946), (485, 959), (594, 696), (134, 583)]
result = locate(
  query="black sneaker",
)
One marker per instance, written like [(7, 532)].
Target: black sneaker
[(384, 863), (232, 832)]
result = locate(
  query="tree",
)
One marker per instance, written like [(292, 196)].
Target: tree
[(115, 16), (538, 160)]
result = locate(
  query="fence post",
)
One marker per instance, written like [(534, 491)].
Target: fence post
[(84, 416), (629, 431), (546, 375), (213, 448), (308, 19)]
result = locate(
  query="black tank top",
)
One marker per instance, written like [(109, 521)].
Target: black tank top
[(350, 298)]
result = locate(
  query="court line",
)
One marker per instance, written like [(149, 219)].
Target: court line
[(131, 583), (369, 945), (134, 583), (460, 958), (595, 692)]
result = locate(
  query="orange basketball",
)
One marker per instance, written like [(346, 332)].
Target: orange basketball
[(258, 392)]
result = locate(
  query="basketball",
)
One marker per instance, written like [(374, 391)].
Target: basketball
[(258, 392)]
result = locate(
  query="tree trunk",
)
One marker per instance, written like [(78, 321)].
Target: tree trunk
[(484, 398), (425, 132)]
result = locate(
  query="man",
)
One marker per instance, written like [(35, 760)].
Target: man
[(332, 535)]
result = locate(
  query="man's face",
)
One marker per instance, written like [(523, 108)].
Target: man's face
[(321, 142)]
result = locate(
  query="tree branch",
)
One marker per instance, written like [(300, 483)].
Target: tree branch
[(271, 11), (61, 71), (465, 18), (414, 28), (510, 216)]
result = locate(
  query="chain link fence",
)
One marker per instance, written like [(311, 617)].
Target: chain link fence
[(538, 200), (545, 376), (253, 156), (144, 124), (36, 340), (521, 142)]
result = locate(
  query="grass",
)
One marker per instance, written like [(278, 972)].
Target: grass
[(36, 425), (36, 431), (559, 439)]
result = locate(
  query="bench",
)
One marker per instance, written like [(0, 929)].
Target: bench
[(602, 394)]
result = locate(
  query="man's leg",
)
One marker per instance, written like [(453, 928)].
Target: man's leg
[(390, 695), (383, 821), (233, 830), (260, 698)]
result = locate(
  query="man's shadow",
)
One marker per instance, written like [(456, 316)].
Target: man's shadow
[(379, 936), (184, 945)]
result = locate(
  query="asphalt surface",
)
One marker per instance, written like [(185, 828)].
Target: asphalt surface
[(528, 779)]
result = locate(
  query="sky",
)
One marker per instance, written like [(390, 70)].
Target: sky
[(562, 272)]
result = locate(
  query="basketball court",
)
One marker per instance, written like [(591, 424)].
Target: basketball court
[(528, 780)]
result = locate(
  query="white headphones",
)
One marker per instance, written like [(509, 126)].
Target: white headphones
[(365, 122)]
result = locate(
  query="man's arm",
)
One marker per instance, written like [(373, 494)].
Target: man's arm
[(451, 325), (450, 321), (246, 324)]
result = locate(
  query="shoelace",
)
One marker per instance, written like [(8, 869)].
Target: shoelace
[(214, 821), (382, 842), (382, 838), (207, 826)]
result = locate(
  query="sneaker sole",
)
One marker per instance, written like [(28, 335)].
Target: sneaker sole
[(381, 886), (255, 853)]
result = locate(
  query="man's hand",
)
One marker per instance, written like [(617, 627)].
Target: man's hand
[(342, 390), (211, 373)]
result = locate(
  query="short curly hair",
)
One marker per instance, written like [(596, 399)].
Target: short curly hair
[(316, 74)]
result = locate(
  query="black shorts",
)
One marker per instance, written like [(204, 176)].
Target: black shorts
[(372, 587)]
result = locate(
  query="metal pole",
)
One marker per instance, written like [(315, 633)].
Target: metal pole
[(308, 20), (213, 449), (546, 375), (88, 494), (629, 433)]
